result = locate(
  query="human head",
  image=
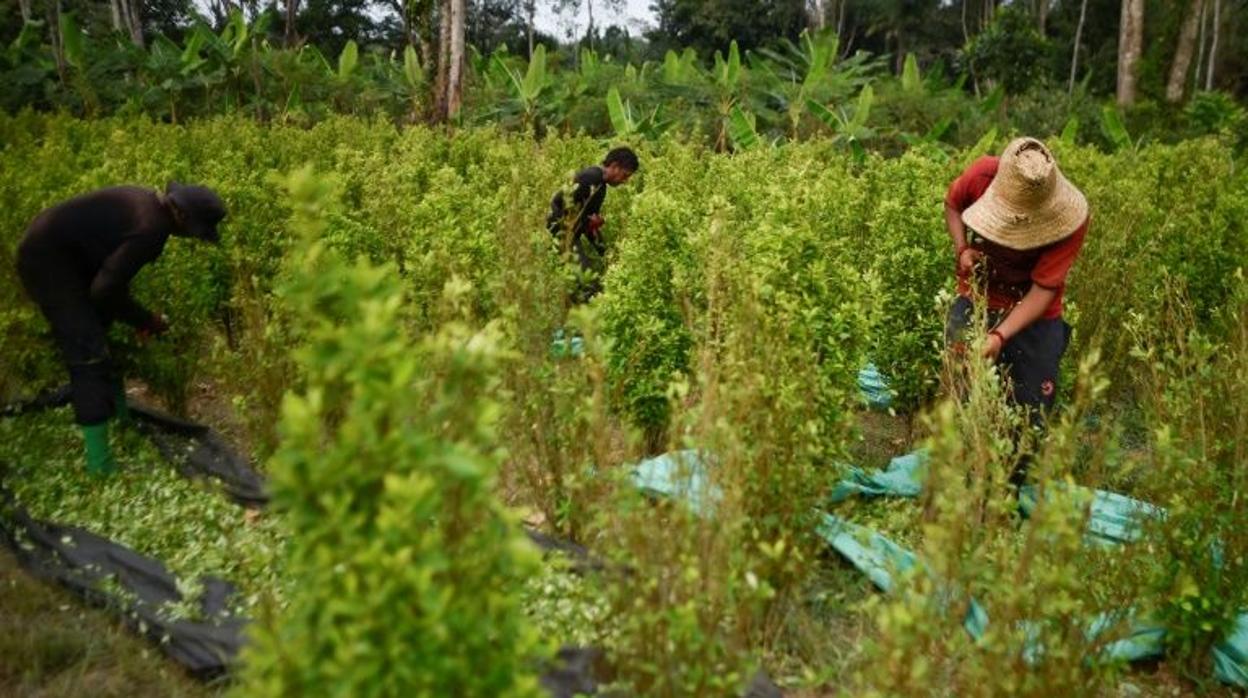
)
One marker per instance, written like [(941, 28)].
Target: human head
[(619, 165), (196, 209)]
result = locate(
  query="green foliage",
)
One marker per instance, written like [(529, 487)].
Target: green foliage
[(1010, 52), (1192, 387), (147, 506), (385, 476)]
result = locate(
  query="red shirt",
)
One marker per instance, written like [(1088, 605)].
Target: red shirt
[(1010, 272)]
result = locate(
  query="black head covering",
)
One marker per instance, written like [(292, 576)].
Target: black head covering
[(200, 207)]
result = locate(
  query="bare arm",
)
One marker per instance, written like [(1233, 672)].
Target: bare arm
[(1028, 310)]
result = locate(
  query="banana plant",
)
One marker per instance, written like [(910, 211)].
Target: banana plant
[(800, 72), (851, 130), (727, 82), (680, 70), (742, 129), (1115, 129), (626, 125), (527, 89)]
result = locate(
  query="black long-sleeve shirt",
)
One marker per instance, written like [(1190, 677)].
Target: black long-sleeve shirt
[(96, 243), (587, 199)]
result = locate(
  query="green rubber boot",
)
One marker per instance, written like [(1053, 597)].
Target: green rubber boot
[(99, 455), (123, 408)]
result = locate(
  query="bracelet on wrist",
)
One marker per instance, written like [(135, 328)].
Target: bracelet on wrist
[(998, 335)]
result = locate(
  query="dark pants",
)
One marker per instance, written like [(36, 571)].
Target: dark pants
[(80, 333), (1029, 361)]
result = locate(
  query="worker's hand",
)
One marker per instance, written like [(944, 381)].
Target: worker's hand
[(155, 327), (992, 346), (967, 259), (595, 223)]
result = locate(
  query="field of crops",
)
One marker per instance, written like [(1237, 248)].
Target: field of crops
[(376, 328)]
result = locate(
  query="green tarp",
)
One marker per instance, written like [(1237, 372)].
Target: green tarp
[(1113, 519)]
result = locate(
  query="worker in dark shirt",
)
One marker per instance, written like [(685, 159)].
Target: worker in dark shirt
[(578, 227), (1017, 226), (77, 260)]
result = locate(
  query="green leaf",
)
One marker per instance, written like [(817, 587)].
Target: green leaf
[(862, 111), (235, 31), (535, 78), (984, 145), (348, 60), (732, 72), (741, 129), (1114, 128), (1070, 132), (910, 79), (672, 69), (827, 116), (938, 130), (412, 69), (72, 40), (992, 102), (621, 119)]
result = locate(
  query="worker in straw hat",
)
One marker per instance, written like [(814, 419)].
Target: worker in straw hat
[(77, 260), (1017, 226)]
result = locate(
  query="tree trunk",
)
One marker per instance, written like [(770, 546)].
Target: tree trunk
[(966, 35), (115, 6), (1042, 15), (1130, 44), (589, 31), (292, 11), (1200, 46), (26, 10), (1183, 52), (530, 9), (444, 60), (136, 23), (455, 79), (1213, 45), (1074, 56)]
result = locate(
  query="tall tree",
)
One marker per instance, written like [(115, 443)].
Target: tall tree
[(1130, 45), (27, 10), (530, 16), (1183, 52), (440, 109), (1074, 54), (292, 12), (1213, 44), (711, 25), (455, 72)]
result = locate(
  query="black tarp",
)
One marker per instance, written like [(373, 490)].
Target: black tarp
[(83, 562)]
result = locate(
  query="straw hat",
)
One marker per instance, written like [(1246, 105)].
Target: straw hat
[(1029, 203)]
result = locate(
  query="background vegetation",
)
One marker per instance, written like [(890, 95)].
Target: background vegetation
[(736, 312)]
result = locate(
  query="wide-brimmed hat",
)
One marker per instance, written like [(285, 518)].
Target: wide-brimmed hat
[(1029, 203), (200, 207)]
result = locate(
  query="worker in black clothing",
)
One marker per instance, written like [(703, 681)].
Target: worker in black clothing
[(76, 262), (578, 227)]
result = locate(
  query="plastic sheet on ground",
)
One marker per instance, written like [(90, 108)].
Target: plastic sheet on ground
[(82, 562), (902, 478), (1113, 519), (679, 475), (874, 388)]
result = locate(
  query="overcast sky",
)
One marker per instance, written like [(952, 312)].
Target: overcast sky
[(634, 14)]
